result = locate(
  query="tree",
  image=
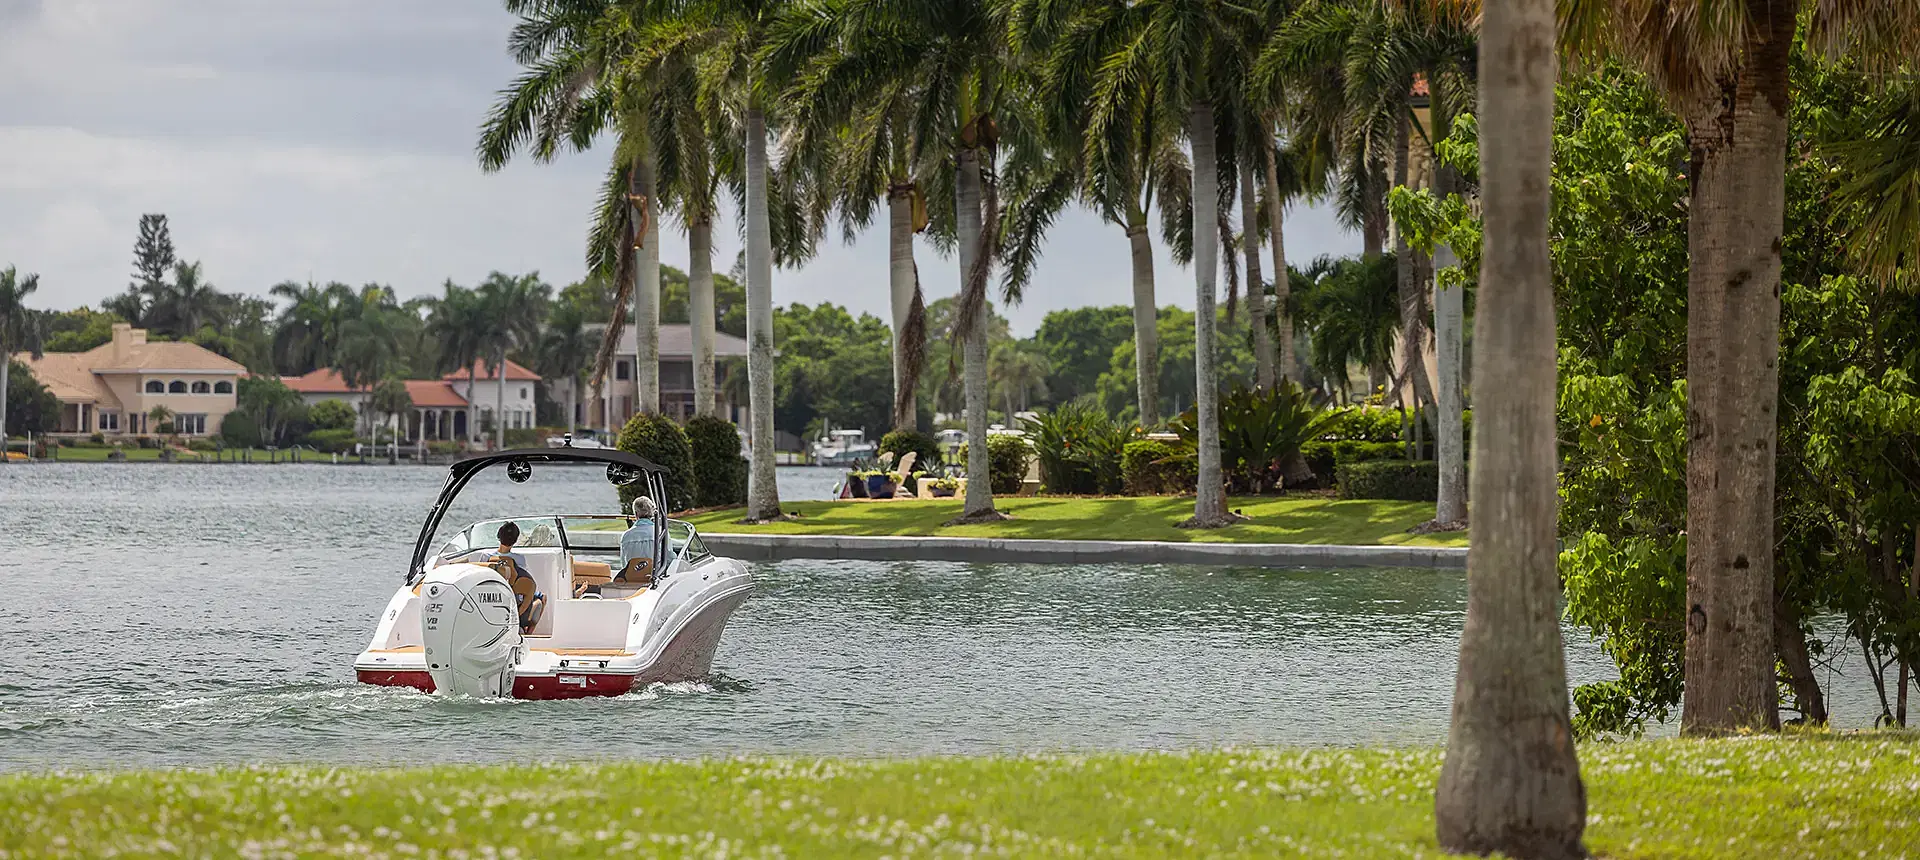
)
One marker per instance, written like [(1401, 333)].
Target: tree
[(272, 405), (20, 331), (31, 408), (1352, 310), (1078, 345), (1511, 782), (308, 330), (565, 352), (390, 400), (180, 308), (511, 309), (153, 260), (1017, 375), (458, 325), (1724, 67)]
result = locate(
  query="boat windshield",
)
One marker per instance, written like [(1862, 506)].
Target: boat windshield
[(584, 534)]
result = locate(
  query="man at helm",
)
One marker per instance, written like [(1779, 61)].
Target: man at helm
[(638, 541)]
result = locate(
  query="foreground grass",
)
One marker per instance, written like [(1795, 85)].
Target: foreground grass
[(1762, 797), (1289, 519)]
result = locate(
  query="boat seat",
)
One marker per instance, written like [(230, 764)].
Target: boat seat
[(526, 591), (589, 574), (638, 571)]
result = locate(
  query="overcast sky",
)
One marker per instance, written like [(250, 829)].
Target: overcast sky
[(332, 140)]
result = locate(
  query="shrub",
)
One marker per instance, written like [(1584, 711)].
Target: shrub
[(899, 442), (655, 437), (1323, 457), (204, 445), (1153, 467), (719, 472), (448, 447), (1079, 448), (238, 430), (1410, 481), (97, 439), (146, 442), (331, 441), (1007, 458), (527, 437), (1368, 424), (332, 415), (1261, 432)]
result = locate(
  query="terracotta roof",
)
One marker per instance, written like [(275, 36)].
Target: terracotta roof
[(481, 370), (432, 393), (1420, 85), (161, 356), (69, 375), (326, 380), (676, 341)]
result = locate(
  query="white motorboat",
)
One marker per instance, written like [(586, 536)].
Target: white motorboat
[(844, 448), (468, 621)]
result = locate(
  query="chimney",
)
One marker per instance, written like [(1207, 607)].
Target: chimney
[(125, 338)]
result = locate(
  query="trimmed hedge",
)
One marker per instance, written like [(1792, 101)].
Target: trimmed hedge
[(719, 472), (656, 438), (327, 441), (238, 430), (1007, 458), (1403, 480), (1154, 468), (1323, 457)]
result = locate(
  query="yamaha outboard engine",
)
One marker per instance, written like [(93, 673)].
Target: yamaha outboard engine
[(470, 626)]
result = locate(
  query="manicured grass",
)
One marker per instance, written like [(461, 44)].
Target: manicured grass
[(1288, 519), (1741, 798), (141, 455)]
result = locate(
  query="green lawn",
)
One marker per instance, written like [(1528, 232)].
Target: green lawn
[(1818, 796), (1293, 519), (138, 455)]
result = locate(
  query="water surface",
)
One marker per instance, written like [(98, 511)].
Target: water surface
[(200, 615)]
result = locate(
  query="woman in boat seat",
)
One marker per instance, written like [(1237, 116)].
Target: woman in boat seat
[(526, 590)]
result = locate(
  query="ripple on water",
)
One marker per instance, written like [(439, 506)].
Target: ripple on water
[(238, 597)]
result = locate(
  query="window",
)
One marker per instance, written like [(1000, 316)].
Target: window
[(523, 392), (223, 388), (202, 388), (622, 370), (190, 424), (155, 386), (176, 387), (109, 422)]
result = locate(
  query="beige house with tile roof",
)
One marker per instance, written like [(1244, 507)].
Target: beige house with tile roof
[(112, 388)]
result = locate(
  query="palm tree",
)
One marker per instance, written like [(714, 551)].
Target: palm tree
[(565, 352), (1196, 65), (1511, 782), (1017, 374), (20, 331), (1351, 308), (1724, 67), (308, 328), (390, 400), (458, 325), (180, 308), (511, 311), (367, 347)]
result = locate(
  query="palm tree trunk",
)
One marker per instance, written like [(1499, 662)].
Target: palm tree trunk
[(1413, 328), (700, 310), (573, 402), (1511, 782), (1256, 288), (1146, 321), (500, 399), (973, 351), (763, 496), (1210, 501), (1733, 343), (1449, 318), (1282, 277), (900, 281), (646, 296)]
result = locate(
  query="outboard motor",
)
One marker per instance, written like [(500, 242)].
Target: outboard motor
[(470, 626)]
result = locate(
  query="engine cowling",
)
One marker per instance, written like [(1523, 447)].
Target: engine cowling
[(470, 627)]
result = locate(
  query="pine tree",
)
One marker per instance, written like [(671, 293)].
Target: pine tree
[(152, 255)]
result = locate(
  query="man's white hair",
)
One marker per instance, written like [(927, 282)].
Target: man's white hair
[(643, 507)]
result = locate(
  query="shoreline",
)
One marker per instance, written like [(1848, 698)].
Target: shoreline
[(782, 547)]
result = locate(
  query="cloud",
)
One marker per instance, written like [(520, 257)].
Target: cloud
[(332, 140)]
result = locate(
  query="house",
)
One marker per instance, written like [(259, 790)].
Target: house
[(114, 388), (439, 408), (676, 378)]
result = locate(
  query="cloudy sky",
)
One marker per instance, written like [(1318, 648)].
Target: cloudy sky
[(332, 140)]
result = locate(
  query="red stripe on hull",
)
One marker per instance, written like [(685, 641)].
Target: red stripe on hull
[(577, 686)]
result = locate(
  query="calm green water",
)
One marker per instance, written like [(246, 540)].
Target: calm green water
[(193, 615)]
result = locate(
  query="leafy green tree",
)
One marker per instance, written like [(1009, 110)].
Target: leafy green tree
[(510, 311), (1078, 344), (657, 439), (390, 400), (719, 472), (331, 415), (458, 325), (830, 365), (20, 331), (273, 407), (153, 260), (1018, 374), (30, 407), (79, 330)]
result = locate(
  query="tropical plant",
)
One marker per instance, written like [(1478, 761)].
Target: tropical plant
[(458, 326), (1511, 782), (1350, 307), (308, 328), (900, 443), (1009, 455), (565, 352), (1017, 375), (512, 308), (1261, 431), (20, 331), (1079, 448), (390, 400), (331, 415)]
